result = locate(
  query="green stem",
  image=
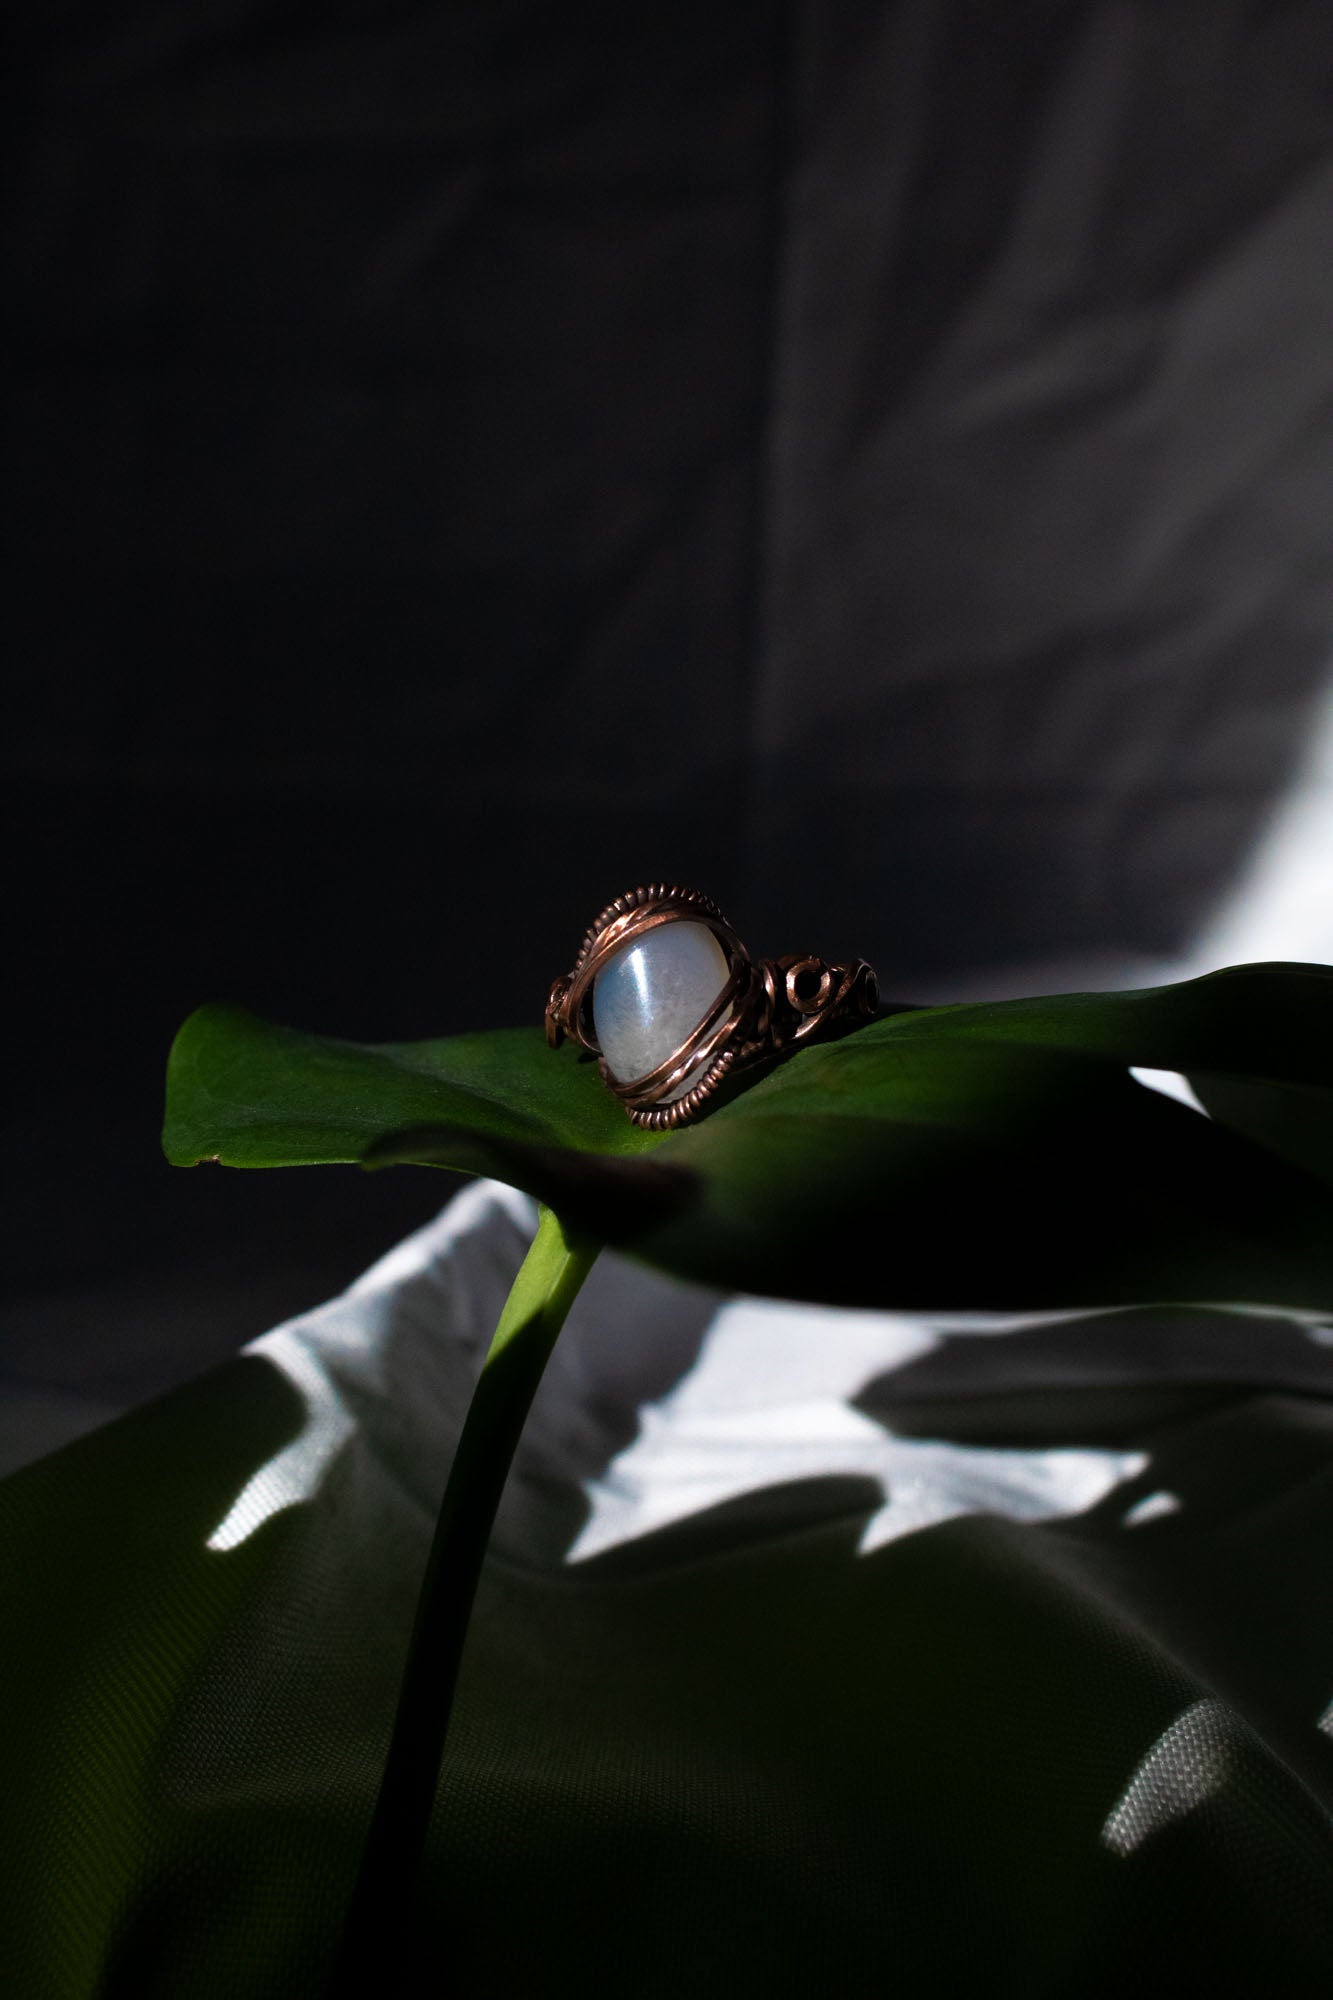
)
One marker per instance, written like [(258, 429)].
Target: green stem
[(376, 1929)]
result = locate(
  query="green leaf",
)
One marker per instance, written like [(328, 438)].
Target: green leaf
[(1271, 1020), (1254, 1041), (1293, 1120), (247, 1094), (994, 1156)]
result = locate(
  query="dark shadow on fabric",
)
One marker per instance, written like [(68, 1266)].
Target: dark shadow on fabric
[(952, 1701)]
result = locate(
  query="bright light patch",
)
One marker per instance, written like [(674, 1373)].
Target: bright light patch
[(298, 1469), (1169, 1083), (1152, 1507), (929, 1483), (1281, 908), (769, 1404), (1189, 1763), (344, 1339)]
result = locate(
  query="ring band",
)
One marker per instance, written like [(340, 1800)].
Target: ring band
[(662, 958)]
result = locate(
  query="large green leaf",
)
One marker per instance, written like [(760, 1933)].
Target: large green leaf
[(1272, 1020), (993, 1155), (1293, 1119), (249, 1094)]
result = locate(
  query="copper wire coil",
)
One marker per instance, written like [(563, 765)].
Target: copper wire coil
[(764, 1007)]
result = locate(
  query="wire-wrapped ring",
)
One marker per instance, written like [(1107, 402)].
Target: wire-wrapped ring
[(661, 957)]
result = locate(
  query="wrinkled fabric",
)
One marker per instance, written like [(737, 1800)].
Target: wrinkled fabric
[(811, 1647)]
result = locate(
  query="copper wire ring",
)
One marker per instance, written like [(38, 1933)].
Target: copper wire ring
[(765, 1006)]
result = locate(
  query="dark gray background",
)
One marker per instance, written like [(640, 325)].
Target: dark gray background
[(872, 462)]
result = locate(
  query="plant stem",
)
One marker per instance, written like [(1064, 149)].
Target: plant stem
[(375, 1933)]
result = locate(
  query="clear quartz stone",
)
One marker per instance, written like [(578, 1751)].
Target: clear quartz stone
[(651, 996)]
